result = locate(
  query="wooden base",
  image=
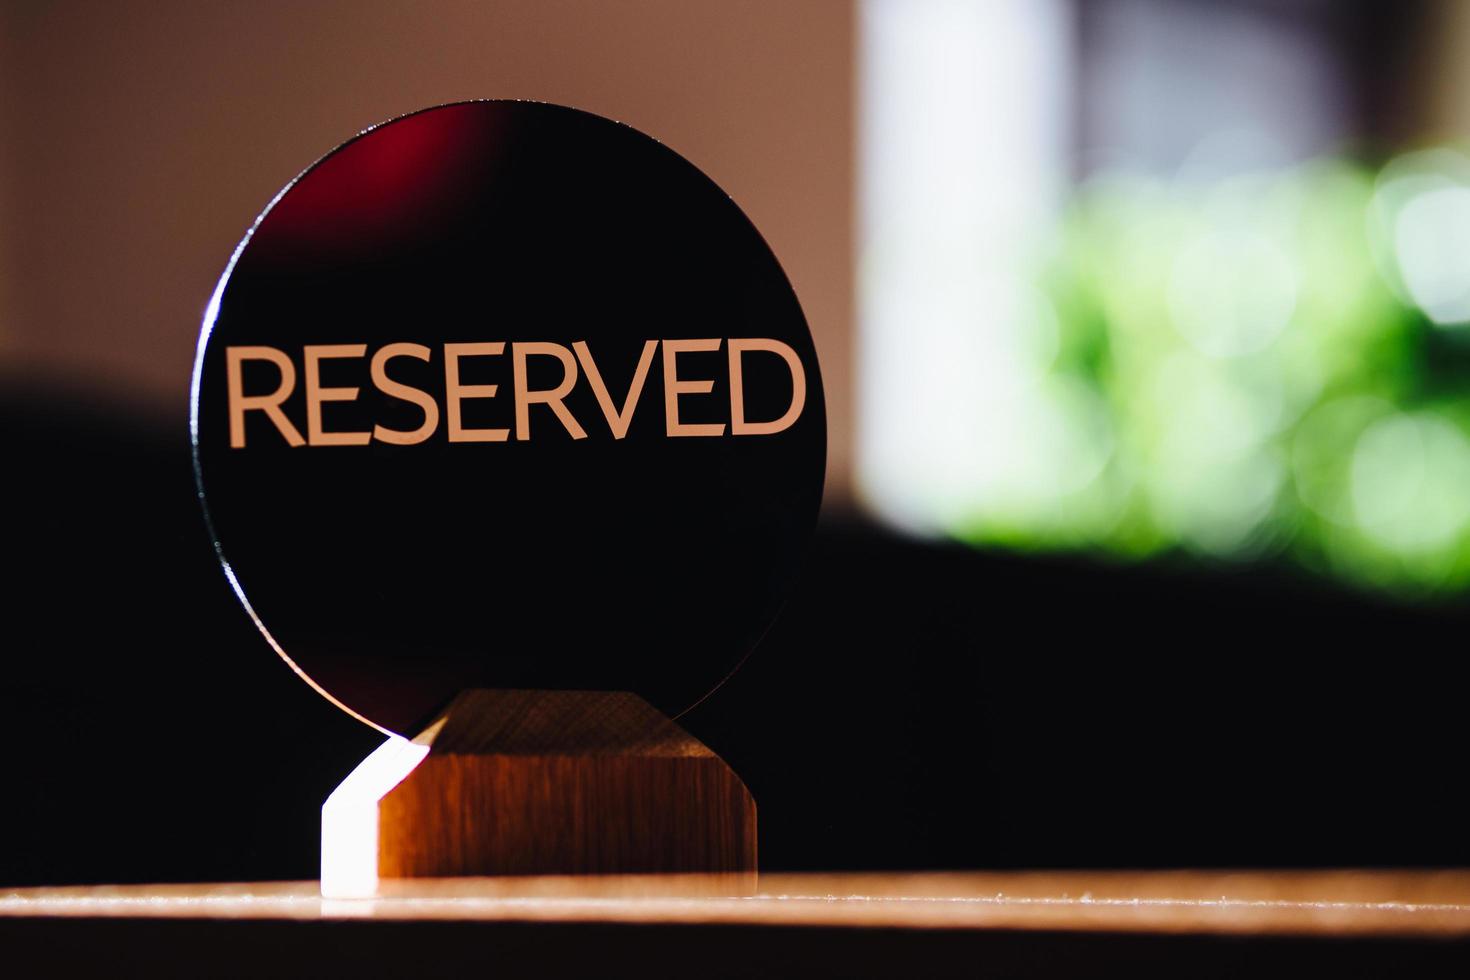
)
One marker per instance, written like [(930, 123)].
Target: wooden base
[(553, 782)]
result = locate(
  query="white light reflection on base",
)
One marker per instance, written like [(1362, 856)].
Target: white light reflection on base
[(350, 819)]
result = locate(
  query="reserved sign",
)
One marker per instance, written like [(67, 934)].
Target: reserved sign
[(507, 395)]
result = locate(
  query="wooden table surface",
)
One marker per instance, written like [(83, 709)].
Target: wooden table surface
[(1195, 924)]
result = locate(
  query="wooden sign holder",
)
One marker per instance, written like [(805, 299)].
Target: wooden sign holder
[(544, 783)]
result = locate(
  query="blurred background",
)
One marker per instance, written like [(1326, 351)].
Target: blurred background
[(1145, 326)]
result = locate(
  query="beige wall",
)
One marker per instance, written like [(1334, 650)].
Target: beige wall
[(140, 139), (1442, 73)]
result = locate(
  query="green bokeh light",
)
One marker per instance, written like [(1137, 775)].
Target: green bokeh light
[(1271, 365)]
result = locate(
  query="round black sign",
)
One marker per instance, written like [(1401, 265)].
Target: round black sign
[(504, 394)]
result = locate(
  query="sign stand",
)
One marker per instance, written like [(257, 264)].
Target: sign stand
[(541, 783)]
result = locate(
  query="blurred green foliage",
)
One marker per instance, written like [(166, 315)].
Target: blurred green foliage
[(1273, 364)]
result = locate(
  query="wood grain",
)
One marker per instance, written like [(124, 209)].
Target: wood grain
[(564, 782), (1199, 925), (1340, 903)]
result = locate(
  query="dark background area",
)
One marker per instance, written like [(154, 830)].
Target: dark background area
[(914, 706)]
